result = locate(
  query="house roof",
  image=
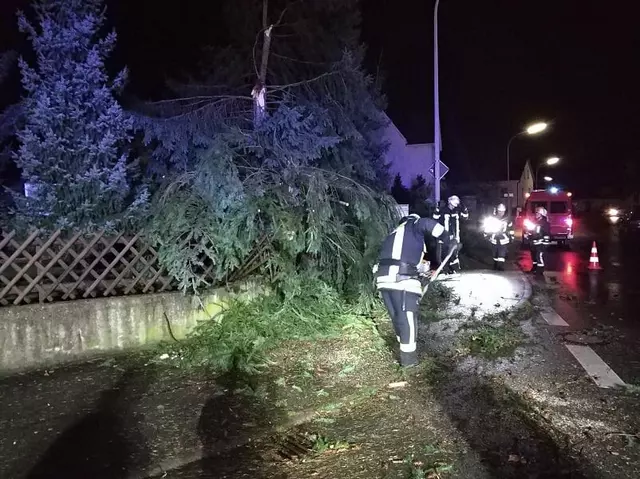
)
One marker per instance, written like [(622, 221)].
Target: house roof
[(395, 127)]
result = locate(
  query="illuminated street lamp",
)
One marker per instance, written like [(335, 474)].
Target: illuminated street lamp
[(531, 130), (536, 128), (548, 179), (554, 160)]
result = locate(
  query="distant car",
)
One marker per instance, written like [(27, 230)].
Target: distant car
[(559, 212), (614, 214)]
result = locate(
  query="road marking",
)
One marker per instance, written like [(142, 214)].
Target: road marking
[(552, 318), (596, 368)]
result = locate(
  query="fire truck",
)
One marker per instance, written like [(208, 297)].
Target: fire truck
[(559, 213)]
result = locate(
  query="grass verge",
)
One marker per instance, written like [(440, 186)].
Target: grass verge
[(240, 337)]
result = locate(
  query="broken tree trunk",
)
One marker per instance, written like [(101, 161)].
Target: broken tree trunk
[(259, 92)]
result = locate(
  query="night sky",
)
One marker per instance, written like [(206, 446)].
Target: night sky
[(503, 64)]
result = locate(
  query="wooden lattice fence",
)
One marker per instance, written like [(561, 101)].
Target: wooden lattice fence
[(47, 267)]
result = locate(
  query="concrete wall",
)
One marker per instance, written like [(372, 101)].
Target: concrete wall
[(41, 334)]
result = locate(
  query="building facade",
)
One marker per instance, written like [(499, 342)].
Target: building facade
[(405, 159), (512, 193)]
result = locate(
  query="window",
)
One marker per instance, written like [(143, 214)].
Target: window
[(558, 207), (537, 204)]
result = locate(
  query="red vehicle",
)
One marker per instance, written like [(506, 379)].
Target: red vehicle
[(559, 212)]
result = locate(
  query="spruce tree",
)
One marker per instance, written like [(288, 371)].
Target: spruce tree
[(74, 144), (303, 187), (314, 58), (420, 192), (400, 192)]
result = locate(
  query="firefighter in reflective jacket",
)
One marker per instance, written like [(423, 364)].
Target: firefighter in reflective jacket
[(449, 217), (499, 229), (397, 277), (539, 240)]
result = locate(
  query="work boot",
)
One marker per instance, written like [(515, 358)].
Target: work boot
[(408, 360)]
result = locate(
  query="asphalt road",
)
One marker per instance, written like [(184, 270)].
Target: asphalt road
[(603, 304)]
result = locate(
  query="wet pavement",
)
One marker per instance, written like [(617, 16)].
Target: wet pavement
[(603, 304)]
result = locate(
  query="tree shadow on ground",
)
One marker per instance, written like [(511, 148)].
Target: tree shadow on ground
[(495, 422), (499, 426), (229, 425), (511, 439), (103, 444)]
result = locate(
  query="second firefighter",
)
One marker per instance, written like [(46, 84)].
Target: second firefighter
[(450, 217), (498, 228), (539, 240)]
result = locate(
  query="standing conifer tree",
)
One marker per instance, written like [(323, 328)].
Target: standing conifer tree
[(74, 146)]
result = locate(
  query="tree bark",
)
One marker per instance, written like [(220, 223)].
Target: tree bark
[(259, 92)]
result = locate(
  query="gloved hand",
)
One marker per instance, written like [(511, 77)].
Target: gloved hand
[(423, 268)]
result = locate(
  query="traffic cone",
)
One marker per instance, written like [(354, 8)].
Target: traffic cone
[(594, 261)]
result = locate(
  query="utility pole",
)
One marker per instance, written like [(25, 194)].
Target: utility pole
[(437, 140)]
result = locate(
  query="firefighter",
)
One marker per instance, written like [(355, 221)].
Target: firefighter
[(539, 240), (449, 217), (397, 277), (499, 229)]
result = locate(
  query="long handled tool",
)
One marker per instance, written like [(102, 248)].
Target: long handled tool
[(437, 272)]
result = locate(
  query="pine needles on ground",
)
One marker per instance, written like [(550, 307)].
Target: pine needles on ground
[(239, 338)]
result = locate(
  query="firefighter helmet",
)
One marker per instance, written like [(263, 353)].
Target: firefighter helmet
[(501, 208), (540, 211), (454, 201)]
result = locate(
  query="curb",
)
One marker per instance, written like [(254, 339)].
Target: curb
[(527, 292)]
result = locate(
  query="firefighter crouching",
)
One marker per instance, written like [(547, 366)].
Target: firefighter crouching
[(499, 229), (397, 277), (540, 234), (449, 217)]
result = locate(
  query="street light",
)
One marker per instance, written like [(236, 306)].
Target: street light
[(536, 128), (532, 129), (554, 160), (548, 179)]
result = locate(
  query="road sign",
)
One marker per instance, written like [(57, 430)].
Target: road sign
[(444, 169)]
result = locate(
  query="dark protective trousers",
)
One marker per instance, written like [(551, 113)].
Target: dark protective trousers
[(499, 256), (454, 262), (403, 310), (537, 256)]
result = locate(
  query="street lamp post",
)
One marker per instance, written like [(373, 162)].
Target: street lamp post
[(549, 162), (533, 129), (437, 140)]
